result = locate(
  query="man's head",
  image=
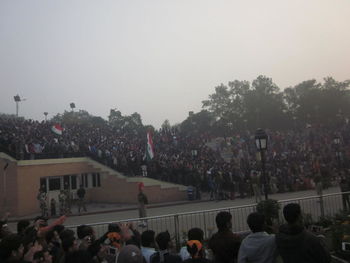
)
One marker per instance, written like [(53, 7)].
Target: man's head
[(163, 240), (84, 231), (147, 238), (292, 213), (22, 225), (69, 242), (11, 247), (256, 222), (223, 220), (195, 234), (130, 254)]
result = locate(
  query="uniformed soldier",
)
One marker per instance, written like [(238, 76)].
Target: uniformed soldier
[(62, 202), (143, 201), (42, 198)]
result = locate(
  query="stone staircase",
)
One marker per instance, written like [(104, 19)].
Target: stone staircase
[(147, 181)]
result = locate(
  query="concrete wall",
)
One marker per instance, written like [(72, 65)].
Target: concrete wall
[(8, 188), (23, 182), (114, 189)]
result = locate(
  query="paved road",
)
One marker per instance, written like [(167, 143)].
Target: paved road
[(206, 220)]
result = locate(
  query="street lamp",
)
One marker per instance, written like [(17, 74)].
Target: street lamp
[(336, 141), (261, 145), (17, 99), (72, 106)]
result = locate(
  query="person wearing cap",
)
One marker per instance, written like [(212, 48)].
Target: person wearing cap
[(81, 201), (193, 234), (130, 254), (143, 201), (195, 249), (255, 180)]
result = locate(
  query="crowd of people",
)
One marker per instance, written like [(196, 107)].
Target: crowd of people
[(39, 242), (296, 159)]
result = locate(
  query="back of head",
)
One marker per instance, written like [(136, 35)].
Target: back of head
[(256, 222), (66, 233), (195, 234), (58, 228), (79, 256), (163, 239), (292, 213), (67, 237), (8, 244), (22, 225), (130, 254), (223, 220), (114, 228), (147, 238), (84, 230)]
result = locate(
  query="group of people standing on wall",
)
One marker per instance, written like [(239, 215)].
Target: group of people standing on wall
[(65, 200)]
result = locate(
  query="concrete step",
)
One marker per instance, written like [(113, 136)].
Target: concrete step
[(151, 182), (146, 180)]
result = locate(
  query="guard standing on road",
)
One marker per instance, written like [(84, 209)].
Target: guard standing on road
[(42, 198), (81, 202), (143, 201), (62, 203), (344, 187), (255, 179)]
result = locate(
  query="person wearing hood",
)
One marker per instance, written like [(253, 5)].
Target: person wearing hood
[(295, 244), (259, 246)]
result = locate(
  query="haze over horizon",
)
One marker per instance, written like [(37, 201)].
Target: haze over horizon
[(161, 58)]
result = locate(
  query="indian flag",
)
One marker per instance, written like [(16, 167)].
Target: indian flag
[(150, 147), (57, 129)]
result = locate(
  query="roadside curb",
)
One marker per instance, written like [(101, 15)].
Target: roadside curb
[(157, 205)]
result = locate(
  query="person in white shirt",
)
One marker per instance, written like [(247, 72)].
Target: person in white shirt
[(259, 246), (148, 244)]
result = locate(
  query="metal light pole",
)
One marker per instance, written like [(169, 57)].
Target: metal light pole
[(338, 153), (46, 113), (17, 99), (261, 145), (72, 106), (4, 187)]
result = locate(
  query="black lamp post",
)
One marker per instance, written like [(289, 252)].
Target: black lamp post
[(46, 113), (336, 141), (72, 106), (261, 145)]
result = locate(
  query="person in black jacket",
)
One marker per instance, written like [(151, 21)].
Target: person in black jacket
[(295, 244), (163, 255), (224, 244)]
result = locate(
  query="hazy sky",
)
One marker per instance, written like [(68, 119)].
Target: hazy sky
[(161, 58)]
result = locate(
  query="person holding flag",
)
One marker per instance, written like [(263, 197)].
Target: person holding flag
[(149, 155)]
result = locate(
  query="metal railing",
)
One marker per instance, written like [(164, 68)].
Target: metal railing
[(178, 224)]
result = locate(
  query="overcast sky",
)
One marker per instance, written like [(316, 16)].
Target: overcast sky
[(161, 58)]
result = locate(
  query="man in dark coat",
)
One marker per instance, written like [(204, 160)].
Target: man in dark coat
[(295, 244), (224, 243)]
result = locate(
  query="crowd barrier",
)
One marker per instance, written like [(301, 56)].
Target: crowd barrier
[(178, 224)]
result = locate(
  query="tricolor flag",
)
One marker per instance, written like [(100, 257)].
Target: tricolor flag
[(57, 129), (149, 148)]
